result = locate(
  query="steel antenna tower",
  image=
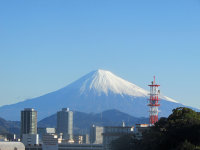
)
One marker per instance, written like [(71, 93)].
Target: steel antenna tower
[(153, 102)]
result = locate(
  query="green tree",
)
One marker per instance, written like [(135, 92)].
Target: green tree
[(180, 131), (123, 143)]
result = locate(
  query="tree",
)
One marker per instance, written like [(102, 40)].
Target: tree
[(124, 142), (186, 146), (180, 131)]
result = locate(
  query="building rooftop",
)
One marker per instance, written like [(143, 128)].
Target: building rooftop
[(29, 109), (65, 109)]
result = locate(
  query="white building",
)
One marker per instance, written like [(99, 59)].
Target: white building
[(12, 146)]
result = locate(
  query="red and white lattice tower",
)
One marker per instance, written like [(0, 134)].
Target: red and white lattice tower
[(154, 102)]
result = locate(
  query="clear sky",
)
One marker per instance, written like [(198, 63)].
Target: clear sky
[(47, 44)]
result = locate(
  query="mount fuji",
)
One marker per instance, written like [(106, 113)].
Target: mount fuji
[(97, 91)]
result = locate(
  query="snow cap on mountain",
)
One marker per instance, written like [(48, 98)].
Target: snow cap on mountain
[(105, 82)]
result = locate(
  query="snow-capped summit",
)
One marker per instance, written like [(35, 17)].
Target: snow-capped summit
[(104, 82), (97, 91)]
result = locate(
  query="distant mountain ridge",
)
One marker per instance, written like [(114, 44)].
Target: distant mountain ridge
[(7, 127), (83, 121), (97, 91)]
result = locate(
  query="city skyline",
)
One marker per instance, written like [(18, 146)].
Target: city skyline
[(48, 45)]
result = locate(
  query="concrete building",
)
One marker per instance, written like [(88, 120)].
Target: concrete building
[(28, 121), (96, 135), (65, 123), (12, 146), (114, 132), (51, 141), (30, 139), (43, 131), (86, 139)]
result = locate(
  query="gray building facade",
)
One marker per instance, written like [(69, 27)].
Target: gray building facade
[(28, 121), (96, 136), (65, 123)]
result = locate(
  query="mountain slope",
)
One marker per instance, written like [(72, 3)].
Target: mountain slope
[(95, 92), (81, 121), (7, 127)]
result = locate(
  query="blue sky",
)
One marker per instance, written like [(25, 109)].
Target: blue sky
[(47, 44)]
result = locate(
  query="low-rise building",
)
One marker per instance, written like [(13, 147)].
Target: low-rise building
[(30, 139), (50, 142), (112, 133), (42, 131)]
